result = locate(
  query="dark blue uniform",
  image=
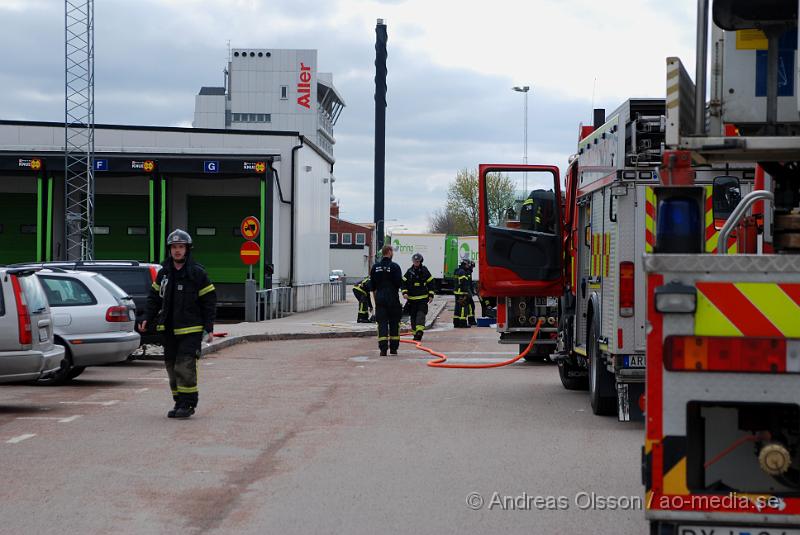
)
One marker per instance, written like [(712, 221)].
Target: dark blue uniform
[(386, 280), (361, 291)]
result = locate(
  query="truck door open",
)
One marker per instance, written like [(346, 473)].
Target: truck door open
[(520, 230)]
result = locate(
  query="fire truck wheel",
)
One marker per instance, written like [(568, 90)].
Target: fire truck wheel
[(572, 376), (601, 382)]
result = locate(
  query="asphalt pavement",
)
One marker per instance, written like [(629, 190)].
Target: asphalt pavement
[(320, 436)]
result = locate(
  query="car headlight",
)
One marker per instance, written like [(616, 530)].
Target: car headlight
[(676, 298)]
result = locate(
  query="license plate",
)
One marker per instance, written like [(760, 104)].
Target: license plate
[(43, 334), (633, 361), (732, 530), (546, 301)]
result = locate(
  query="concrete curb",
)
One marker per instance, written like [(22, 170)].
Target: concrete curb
[(266, 337)]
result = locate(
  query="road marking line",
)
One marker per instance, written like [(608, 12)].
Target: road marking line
[(59, 419), (148, 379), (20, 438), (103, 403)]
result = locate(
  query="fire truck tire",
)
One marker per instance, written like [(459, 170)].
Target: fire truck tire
[(567, 373), (601, 382)]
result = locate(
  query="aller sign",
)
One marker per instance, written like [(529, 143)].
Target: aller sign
[(250, 253)]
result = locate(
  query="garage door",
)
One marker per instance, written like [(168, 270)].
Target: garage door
[(214, 224), (17, 227), (120, 223)]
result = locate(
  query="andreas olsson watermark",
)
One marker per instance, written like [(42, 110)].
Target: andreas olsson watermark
[(582, 501)]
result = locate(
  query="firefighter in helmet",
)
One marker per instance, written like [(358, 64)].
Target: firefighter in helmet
[(418, 292), (538, 212), (361, 291), (183, 302), (464, 312), (386, 279)]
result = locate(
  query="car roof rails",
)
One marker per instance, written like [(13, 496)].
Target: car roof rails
[(55, 269), (107, 263), (21, 271)]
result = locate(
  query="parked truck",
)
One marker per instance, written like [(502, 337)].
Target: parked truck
[(722, 442), (442, 254)]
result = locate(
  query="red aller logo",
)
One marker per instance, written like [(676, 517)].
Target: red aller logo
[(304, 86)]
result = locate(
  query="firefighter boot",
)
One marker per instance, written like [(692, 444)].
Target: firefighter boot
[(184, 411), (171, 414)]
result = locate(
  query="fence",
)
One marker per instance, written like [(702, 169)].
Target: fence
[(285, 300)]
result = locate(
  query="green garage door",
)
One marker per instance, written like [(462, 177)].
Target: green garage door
[(17, 227), (214, 225), (120, 223)]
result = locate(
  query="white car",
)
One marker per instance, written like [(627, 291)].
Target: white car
[(336, 275), (92, 318)]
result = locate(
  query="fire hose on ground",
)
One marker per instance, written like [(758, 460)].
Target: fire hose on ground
[(441, 359)]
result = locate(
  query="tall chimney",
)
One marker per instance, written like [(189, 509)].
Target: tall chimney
[(380, 128)]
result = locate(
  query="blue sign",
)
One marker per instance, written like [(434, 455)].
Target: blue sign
[(211, 166), (101, 165)]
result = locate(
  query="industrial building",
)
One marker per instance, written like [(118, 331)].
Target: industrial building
[(151, 179)]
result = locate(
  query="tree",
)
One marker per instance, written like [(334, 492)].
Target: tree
[(461, 213)]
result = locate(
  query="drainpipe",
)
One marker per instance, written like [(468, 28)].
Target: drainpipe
[(291, 220)]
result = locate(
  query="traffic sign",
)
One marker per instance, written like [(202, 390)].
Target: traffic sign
[(250, 227), (250, 253), (101, 164), (211, 166)]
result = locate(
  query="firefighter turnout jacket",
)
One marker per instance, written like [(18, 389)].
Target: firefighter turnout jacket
[(362, 290), (192, 307), (463, 283), (418, 284)]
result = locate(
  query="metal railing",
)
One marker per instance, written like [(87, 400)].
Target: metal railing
[(274, 303), (285, 300), (318, 295)]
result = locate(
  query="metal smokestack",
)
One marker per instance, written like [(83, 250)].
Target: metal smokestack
[(599, 117), (380, 128)]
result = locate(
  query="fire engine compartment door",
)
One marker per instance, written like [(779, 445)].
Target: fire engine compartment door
[(520, 228)]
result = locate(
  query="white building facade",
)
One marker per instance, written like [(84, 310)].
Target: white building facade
[(273, 89)]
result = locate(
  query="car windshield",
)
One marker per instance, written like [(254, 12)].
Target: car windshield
[(34, 294), (65, 292), (118, 293)]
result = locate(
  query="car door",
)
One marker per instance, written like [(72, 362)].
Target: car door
[(520, 230)]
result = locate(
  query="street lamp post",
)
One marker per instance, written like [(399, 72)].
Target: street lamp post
[(524, 90)]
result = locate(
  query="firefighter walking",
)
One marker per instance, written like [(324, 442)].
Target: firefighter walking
[(183, 302), (362, 291), (418, 291), (386, 279), (464, 312)]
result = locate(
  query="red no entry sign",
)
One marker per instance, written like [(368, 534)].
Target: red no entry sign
[(250, 253)]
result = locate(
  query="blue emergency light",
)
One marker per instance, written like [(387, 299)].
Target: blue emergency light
[(678, 226)]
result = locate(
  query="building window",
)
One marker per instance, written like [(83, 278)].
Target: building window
[(334, 238), (347, 238), (284, 92), (102, 231), (137, 231), (205, 231), (237, 117), (267, 118), (361, 238)]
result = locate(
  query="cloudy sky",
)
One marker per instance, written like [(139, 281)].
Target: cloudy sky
[(451, 68)]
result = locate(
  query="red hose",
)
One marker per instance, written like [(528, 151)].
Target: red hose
[(441, 358)]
